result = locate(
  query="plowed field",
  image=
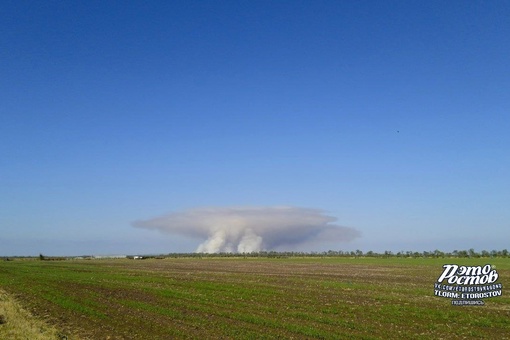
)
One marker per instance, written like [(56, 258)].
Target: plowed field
[(225, 298)]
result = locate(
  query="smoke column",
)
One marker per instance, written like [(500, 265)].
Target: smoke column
[(251, 229)]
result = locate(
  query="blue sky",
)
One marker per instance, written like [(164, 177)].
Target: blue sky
[(392, 116)]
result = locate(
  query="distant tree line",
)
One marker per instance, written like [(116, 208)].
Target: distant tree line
[(51, 258), (471, 253)]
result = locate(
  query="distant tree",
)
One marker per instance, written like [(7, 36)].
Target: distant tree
[(438, 253), (473, 253), (463, 253), (41, 257), (332, 253)]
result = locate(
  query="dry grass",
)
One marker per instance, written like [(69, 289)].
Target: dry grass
[(17, 323)]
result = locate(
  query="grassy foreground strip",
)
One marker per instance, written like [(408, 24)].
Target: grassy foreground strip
[(255, 298), (17, 323)]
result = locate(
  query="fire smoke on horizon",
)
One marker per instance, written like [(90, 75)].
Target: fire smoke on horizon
[(251, 229)]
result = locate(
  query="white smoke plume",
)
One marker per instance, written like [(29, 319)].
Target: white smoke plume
[(251, 229)]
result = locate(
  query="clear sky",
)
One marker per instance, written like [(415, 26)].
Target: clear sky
[(392, 116)]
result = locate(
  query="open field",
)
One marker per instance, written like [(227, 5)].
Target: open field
[(236, 298)]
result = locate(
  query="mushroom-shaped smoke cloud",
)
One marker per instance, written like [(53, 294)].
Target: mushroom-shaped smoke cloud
[(249, 229)]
